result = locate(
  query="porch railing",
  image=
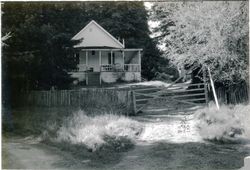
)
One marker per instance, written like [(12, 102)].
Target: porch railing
[(125, 67), (112, 67), (82, 67), (107, 67), (132, 67)]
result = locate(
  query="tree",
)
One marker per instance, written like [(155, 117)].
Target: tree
[(209, 34), (40, 54), (128, 20)]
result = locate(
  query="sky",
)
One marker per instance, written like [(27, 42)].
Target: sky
[(153, 24)]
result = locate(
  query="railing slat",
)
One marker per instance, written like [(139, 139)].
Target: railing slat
[(125, 67), (190, 95)]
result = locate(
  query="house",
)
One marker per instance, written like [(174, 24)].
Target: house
[(103, 58)]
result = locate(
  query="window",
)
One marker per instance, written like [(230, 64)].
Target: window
[(109, 58), (93, 52), (77, 57), (113, 58), (82, 58)]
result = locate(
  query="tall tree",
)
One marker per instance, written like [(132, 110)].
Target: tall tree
[(128, 20), (210, 34), (39, 53)]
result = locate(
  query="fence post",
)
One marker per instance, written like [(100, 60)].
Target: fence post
[(79, 97), (212, 84), (49, 97), (133, 100), (205, 85), (69, 96)]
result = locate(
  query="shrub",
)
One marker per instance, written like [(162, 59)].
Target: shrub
[(76, 130), (94, 131), (227, 124)]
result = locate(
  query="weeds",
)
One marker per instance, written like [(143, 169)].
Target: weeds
[(64, 127), (227, 124), (95, 131)]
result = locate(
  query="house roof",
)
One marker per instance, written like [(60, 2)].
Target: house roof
[(93, 35)]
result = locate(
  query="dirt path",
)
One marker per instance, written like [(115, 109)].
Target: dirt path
[(163, 145), (19, 153)]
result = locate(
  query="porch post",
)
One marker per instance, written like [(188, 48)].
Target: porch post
[(100, 65), (86, 58), (100, 60), (139, 55), (123, 57), (111, 57), (86, 53)]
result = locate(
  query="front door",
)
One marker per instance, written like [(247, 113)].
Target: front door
[(93, 61)]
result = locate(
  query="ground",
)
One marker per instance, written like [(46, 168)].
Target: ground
[(23, 153), (164, 144)]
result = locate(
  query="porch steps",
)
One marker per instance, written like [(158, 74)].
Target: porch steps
[(93, 79)]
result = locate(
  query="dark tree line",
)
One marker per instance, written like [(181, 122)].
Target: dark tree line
[(39, 53)]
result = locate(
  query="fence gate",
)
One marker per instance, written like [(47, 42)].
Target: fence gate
[(175, 97)]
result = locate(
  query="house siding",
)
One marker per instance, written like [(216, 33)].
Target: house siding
[(125, 64), (94, 36)]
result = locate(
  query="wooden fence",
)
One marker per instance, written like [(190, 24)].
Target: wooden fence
[(233, 94), (182, 94), (84, 98)]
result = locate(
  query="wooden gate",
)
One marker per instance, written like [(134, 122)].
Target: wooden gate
[(176, 96)]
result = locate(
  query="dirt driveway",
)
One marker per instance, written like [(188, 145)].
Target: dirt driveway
[(24, 153)]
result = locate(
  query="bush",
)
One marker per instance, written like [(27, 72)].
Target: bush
[(230, 123), (76, 131), (95, 131)]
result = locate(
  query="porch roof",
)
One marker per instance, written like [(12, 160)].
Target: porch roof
[(111, 49)]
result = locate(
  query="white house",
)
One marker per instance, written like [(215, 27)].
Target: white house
[(103, 58)]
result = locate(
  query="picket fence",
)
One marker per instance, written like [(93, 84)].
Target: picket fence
[(84, 98)]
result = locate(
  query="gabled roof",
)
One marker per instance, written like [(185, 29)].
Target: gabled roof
[(93, 35)]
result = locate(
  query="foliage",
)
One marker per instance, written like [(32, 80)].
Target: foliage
[(93, 131), (5, 37), (130, 20), (227, 124), (77, 132), (75, 127), (211, 34), (40, 54)]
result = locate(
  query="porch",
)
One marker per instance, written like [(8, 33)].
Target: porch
[(110, 68), (99, 65), (108, 60)]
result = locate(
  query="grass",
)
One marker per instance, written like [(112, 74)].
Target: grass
[(230, 123), (99, 136), (94, 131)]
